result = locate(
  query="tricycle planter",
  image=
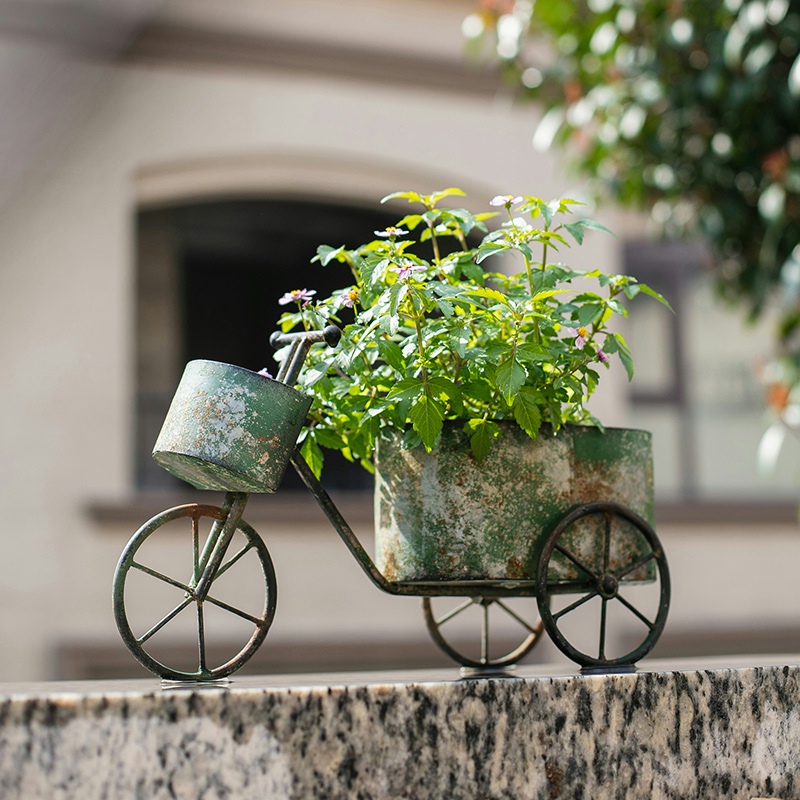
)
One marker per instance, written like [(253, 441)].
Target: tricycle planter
[(566, 514)]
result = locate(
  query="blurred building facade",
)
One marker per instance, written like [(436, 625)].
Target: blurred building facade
[(156, 158)]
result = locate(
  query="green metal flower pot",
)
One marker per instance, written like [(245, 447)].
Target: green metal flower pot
[(229, 428), (441, 516)]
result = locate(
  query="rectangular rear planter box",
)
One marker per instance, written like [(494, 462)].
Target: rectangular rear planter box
[(442, 516)]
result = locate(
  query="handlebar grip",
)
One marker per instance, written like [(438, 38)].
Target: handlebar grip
[(330, 335)]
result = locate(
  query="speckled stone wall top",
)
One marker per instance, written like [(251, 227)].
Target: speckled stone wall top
[(703, 733)]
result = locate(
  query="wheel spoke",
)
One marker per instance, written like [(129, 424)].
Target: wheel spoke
[(636, 564), (228, 564), (517, 617), (160, 624), (602, 648), (160, 576), (575, 605), (485, 636), (201, 640), (575, 560), (457, 610), (195, 550), (635, 611), (232, 610)]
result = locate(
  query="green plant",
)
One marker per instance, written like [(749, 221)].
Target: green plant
[(440, 338)]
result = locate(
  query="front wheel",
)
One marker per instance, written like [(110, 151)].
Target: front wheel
[(613, 561), (167, 628)]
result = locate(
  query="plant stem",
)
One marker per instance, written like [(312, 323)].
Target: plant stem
[(416, 316), (435, 243), (537, 334)]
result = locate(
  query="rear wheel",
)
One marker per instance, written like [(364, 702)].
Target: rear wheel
[(618, 572), (507, 633)]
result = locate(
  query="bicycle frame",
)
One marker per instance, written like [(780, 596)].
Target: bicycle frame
[(222, 531)]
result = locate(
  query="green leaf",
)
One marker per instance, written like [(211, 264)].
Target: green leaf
[(483, 431), (539, 296), (526, 411), (312, 453), (589, 312), (396, 295), (548, 210), (427, 417), (326, 254), (624, 354), (477, 390), (473, 271), (406, 389), (392, 355), (445, 307), (449, 192), (533, 352), (510, 377), (410, 221), (412, 197), (617, 307), (490, 249), (576, 229), (327, 438), (596, 226), (444, 386), (459, 338), (653, 293), (485, 292)]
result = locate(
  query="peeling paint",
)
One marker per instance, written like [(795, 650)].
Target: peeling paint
[(442, 516), (229, 428)]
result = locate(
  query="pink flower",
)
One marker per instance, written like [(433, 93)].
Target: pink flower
[(404, 272), (580, 334), (297, 296), (349, 297), (391, 232), (265, 372), (602, 356), (506, 200)]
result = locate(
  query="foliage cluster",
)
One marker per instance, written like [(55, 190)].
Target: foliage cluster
[(689, 108), (429, 339)]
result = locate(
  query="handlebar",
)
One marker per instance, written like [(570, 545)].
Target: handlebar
[(330, 335), (300, 343)]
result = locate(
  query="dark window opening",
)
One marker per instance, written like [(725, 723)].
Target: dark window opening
[(210, 277)]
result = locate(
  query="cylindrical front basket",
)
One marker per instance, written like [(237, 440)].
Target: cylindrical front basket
[(229, 428), (441, 516)]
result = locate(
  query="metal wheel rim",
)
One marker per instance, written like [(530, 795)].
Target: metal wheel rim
[(125, 565), (544, 595), (434, 628)]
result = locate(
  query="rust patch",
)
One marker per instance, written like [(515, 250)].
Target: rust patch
[(515, 568), (390, 566)]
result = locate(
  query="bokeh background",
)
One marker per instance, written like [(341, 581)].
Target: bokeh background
[(167, 170)]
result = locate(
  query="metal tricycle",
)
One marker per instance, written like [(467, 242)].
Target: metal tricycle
[(235, 430)]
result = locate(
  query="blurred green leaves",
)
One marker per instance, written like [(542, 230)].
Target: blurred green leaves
[(687, 108)]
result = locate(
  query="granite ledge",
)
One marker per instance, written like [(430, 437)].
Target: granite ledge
[(672, 731)]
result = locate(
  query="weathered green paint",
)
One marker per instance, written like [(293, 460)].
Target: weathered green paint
[(229, 428), (441, 516)]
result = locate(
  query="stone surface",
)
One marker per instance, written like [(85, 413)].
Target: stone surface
[(668, 732)]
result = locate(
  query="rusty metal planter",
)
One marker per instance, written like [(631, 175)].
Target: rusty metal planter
[(441, 516), (229, 428)]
